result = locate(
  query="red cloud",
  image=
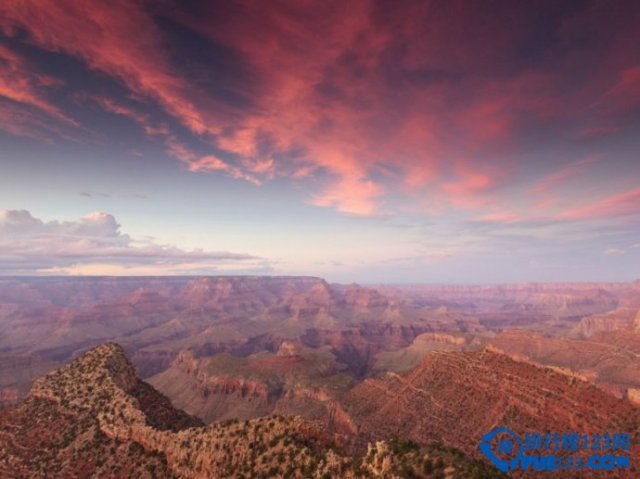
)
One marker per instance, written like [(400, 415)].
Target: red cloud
[(366, 87), (19, 83), (442, 94), (176, 148), (118, 38), (205, 163)]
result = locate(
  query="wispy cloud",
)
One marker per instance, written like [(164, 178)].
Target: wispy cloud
[(178, 149), (564, 174), (616, 205), (25, 110), (204, 163), (118, 38), (21, 84), (102, 194)]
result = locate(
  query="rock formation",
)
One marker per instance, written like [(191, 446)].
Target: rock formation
[(95, 418), (456, 397)]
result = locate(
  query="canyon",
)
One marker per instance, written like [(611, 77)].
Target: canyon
[(367, 330), (94, 418), (361, 363)]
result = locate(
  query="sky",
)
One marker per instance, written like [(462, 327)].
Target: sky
[(370, 141)]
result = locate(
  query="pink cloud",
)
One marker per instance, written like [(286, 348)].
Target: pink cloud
[(470, 188), (204, 163), (22, 99), (622, 204), (545, 189), (212, 163), (325, 91), (624, 96), (176, 148), (150, 127), (435, 92), (21, 84), (118, 38), (208, 162), (561, 176), (20, 122), (351, 195), (501, 217)]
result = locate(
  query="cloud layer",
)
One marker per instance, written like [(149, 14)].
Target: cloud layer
[(30, 245), (431, 101)]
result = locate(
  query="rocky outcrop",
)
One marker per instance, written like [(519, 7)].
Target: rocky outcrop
[(605, 360), (105, 428), (442, 338), (457, 397), (617, 320), (294, 380), (636, 323), (523, 358), (103, 380), (288, 349), (634, 395), (339, 420), (220, 384)]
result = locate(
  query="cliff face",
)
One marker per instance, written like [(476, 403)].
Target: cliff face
[(63, 428), (94, 418), (102, 385), (591, 325), (607, 359), (405, 359), (457, 397), (294, 380), (616, 320), (211, 384), (634, 396)]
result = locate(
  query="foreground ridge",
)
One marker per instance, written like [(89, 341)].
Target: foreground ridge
[(95, 418)]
